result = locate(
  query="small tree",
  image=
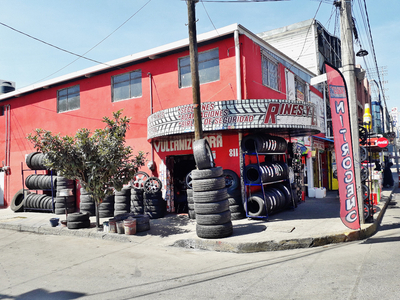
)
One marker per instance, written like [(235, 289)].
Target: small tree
[(100, 161)]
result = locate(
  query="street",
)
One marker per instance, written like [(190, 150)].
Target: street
[(62, 267)]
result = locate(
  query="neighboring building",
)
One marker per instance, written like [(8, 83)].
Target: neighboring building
[(311, 45), (245, 84)]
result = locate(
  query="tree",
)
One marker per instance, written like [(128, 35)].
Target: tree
[(100, 161)]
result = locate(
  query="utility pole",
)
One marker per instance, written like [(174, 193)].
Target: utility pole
[(348, 64), (194, 68)]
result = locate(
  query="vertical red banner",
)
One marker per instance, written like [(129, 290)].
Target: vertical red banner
[(343, 148)]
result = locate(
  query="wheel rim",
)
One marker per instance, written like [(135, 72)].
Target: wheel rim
[(139, 179), (189, 180), (152, 185)]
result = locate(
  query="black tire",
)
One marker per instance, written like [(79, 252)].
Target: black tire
[(214, 231), (237, 215), (86, 199), (253, 173), (61, 211), (136, 203), (121, 199), (62, 205), (191, 206), (28, 159), (214, 219), (79, 216), (121, 206), (231, 180), (235, 200), (78, 224), (207, 173), (211, 208), (18, 201), (152, 185), (155, 195), (192, 214), (202, 154), (123, 192), (137, 197), (106, 206), (106, 213), (142, 227), (154, 214), (120, 212), (137, 209), (210, 196), (87, 206), (255, 206), (155, 202), (209, 184), (236, 208)]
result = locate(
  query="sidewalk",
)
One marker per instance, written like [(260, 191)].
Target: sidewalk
[(315, 222)]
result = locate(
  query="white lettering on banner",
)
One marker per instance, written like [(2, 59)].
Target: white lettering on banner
[(215, 141)]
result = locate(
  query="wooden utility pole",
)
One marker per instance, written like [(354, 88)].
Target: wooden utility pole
[(348, 64), (194, 67)]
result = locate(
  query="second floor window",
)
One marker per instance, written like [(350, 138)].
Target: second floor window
[(126, 86), (68, 99), (301, 90), (270, 72), (208, 68)]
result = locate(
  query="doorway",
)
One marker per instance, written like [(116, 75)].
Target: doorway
[(180, 166)]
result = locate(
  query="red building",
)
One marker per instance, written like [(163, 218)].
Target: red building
[(246, 86)]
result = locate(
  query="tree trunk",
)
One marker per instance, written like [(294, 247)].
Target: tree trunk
[(96, 205)]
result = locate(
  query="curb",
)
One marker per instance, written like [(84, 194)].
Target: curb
[(221, 246)]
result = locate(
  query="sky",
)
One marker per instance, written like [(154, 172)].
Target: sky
[(111, 29)]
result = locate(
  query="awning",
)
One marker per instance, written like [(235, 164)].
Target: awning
[(322, 138)]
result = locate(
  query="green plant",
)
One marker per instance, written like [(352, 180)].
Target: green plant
[(100, 161)]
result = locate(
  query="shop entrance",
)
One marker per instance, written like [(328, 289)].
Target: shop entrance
[(180, 166)]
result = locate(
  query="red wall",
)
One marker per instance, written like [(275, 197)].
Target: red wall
[(39, 109)]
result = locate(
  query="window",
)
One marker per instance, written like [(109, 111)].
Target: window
[(270, 72), (301, 90), (208, 68), (126, 86), (68, 99)]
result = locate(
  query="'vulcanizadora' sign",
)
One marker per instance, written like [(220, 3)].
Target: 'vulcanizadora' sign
[(235, 114)]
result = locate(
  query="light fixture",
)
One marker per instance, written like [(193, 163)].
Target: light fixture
[(362, 53)]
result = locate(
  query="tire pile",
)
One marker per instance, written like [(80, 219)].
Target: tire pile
[(78, 220), (87, 204), (122, 199), (234, 195), (64, 203), (276, 196), (191, 212), (210, 196), (154, 205), (137, 201), (106, 207)]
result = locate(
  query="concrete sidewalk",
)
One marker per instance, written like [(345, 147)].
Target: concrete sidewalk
[(315, 222)]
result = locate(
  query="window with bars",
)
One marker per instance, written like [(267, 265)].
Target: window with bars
[(208, 68), (68, 99), (127, 86), (270, 72)]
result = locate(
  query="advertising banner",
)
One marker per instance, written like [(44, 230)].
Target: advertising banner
[(297, 117), (343, 148)]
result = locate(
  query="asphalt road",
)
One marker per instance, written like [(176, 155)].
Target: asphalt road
[(61, 267)]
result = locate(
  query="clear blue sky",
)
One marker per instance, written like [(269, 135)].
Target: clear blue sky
[(78, 25)]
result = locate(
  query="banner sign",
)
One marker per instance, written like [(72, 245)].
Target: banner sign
[(283, 115), (343, 148)]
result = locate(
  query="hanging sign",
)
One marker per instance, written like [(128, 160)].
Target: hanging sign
[(382, 142), (343, 148)]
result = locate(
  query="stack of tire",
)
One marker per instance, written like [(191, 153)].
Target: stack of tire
[(78, 220), (153, 204), (266, 172), (87, 204), (234, 195), (122, 200), (39, 201), (277, 198), (190, 201), (213, 217), (35, 161), (137, 206), (106, 207), (65, 197)]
